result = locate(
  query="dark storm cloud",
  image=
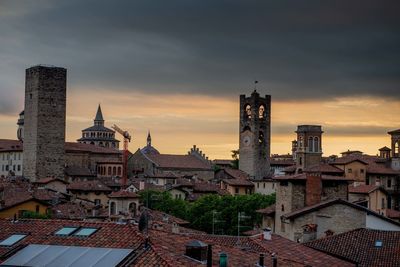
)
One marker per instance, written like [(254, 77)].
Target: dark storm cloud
[(297, 49)]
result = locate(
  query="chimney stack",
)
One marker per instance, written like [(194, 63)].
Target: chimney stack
[(313, 188), (141, 185), (267, 234)]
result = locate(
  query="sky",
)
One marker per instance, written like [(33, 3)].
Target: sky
[(177, 68)]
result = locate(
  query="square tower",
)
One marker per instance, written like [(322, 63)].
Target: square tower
[(255, 135), (309, 146), (44, 122)]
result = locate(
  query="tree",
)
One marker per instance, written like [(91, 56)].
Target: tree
[(235, 157)]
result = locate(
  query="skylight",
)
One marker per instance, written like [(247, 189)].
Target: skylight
[(66, 231), (378, 243), (11, 240), (85, 231)]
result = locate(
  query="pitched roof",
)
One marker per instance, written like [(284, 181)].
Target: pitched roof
[(385, 148), (8, 145), (238, 182), (359, 246), (92, 185), (235, 173), (282, 162), (324, 168), (178, 161), (393, 214), (99, 114), (349, 159), (123, 194), (303, 176), (49, 180), (375, 168), (363, 189), (108, 235), (327, 203)]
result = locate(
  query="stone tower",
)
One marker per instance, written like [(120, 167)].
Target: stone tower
[(255, 135), (395, 143), (44, 122), (309, 149)]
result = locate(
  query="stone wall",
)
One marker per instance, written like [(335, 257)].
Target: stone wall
[(44, 125)]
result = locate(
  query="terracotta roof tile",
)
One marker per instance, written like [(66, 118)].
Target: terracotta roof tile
[(237, 174), (363, 189), (91, 185), (268, 210), (359, 246), (178, 161), (123, 194)]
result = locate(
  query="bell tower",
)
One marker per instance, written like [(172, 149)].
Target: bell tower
[(255, 135)]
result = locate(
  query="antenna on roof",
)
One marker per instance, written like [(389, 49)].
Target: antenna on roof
[(255, 85)]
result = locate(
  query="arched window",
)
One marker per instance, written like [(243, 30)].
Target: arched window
[(261, 137), (261, 112), (310, 144), (113, 209), (397, 148), (92, 143), (247, 110), (109, 170), (119, 171), (114, 171), (316, 144)]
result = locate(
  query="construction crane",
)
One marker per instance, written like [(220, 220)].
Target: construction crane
[(127, 139)]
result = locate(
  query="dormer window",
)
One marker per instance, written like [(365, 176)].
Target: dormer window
[(197, 250)]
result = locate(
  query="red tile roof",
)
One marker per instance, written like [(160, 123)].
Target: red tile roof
[(362, 189), (238, 174), (178, 161), (92, 185), (69, 211), (238, 182), (8, 145), (303, 176), (393, 214), (349, 159), (324, 168), (359, 246), (123, 194), (108, 235), (49, 180)]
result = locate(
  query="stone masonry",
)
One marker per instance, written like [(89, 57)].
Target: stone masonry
[(255, 135), (44, 122)]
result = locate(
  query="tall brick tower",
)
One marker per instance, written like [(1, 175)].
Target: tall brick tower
[(395, 141), (44, 122), (255, 135), (309, 149)]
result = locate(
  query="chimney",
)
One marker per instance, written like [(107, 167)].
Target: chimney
[(141, 185), (209, 256), (261, 260), (267, 234), (313, 188)]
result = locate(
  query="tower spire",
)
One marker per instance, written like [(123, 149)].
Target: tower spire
[(98, 120), (148, 138)]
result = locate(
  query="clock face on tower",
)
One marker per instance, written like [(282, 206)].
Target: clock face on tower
[(246, 140)]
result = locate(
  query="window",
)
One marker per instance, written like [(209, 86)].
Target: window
[(316, 144), (362, 171), (261, 112), (383, 203), (389, 182), (236, 190), (247, 109), (113, 208), (97, 202), (11, 240), (264, 185), (283, 207), (37, 208), (349, 170), (258, 185), (66, 231), (85, 231), (261, 137), (310, 144)]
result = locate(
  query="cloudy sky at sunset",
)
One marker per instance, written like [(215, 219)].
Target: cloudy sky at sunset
[(177, 68)]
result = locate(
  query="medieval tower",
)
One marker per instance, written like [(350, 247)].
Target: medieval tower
[(255, 135), (44, 122), (308, 146)]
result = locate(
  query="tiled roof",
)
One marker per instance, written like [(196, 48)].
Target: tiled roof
[(123, 194), (362, 189), (223, 161), (359, 246), (327, 203), (108, 235), (245, 253), (178, 161), (238, 182), (268, 210), (303, 176), (349, 159), (8, 145), (49, 180), (16, 145), (393, 214), (282, 162), (237, 174), (375, 168), (324, 168), (69, 211), (92, 185)]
